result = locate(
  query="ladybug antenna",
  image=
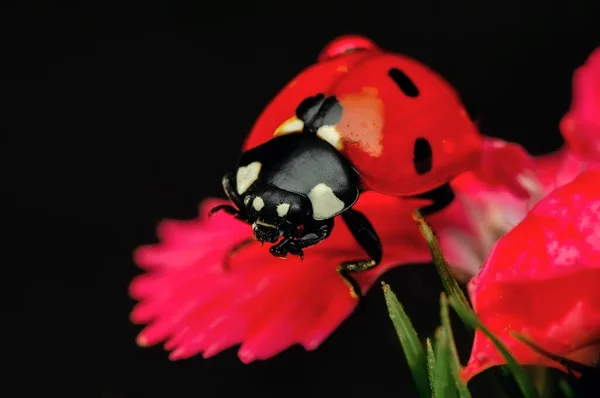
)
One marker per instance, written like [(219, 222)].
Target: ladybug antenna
[(345, 44)]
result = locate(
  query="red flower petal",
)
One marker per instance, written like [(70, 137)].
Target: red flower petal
[(264, 303), (505, 164), (494, 201), (558, 168), (581, 125), (542, 280)]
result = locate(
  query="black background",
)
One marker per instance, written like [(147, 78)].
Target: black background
[(118, 114)]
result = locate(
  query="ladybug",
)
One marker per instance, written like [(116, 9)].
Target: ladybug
[(359, 119)]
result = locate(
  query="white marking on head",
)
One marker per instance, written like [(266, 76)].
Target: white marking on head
[(292, 125), (246, 175), (331, 135), (262, 223), (258, 203), (324, 202), (283, 209)]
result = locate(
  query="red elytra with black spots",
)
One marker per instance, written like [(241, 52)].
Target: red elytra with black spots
[(400, 124)]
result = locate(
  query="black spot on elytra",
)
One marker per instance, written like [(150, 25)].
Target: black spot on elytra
[(423, 156), (404, 82), (318, 111)]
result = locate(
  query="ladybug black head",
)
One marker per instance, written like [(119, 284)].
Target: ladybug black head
[(289, 182), (274, 213)]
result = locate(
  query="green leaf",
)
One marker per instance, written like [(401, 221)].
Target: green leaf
[(566, 389), (448, 281), (431, 366), (468, 316), (444, 387), (539, 378), (415, 356), (454, 362)]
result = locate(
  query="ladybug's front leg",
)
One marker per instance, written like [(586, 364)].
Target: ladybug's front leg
[(313, 233), (367, 238), (232, 195)]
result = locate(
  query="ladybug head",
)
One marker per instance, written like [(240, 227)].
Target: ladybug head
[(290, 182), (274, 213), (268, 197)]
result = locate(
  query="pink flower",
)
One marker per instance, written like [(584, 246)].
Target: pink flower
[(542, 280), (497, 197), (581, 125), (264, 303), (510, 181)]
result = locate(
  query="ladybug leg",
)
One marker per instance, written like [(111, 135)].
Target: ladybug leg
[(314, 233), (226, 208), (367, 238), (232, 195), (229, 210), (234, 250), (281, 249), (231, 252), (229, 189), (441, 198)]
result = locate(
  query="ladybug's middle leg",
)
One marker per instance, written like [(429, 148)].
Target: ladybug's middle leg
[(238, 210), (234, 250), (367, 238), (441, 197)]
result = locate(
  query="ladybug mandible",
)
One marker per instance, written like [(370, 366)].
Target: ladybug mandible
[(359, 119)]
